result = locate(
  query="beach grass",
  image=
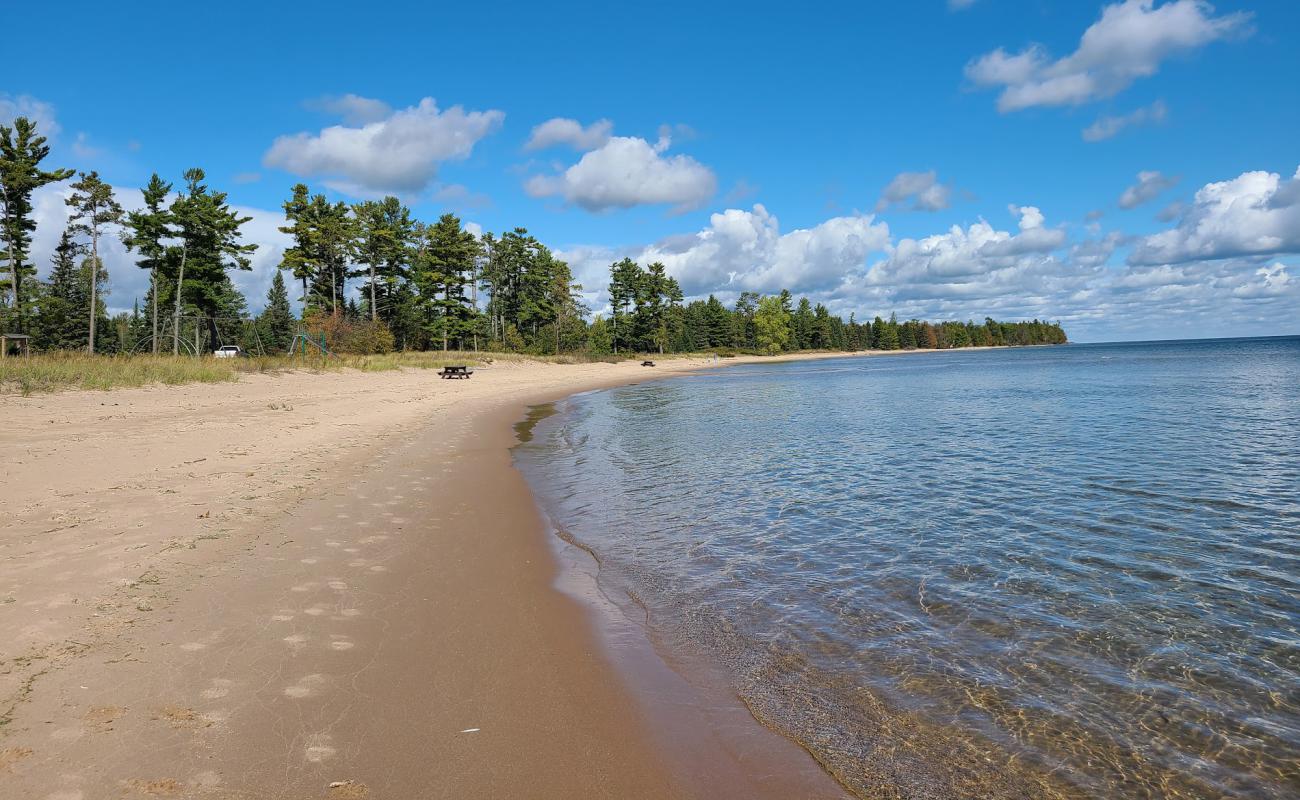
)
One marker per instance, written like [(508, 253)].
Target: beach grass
[(61, 371)]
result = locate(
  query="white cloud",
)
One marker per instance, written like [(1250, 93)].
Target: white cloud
[(39, 111), (1149, 186), (1129, 42), (398, 154), (922, 189), (570, 132), (1107, 127), (1256, 213), (745, 251), (629, 171)]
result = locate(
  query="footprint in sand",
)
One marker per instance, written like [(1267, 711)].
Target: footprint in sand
[(341, 643), (191, 647), (379, 568), (333, 543), (316, 611), (304, 560), (220, 688), (296, 641), (283, 616), (304, 587), (306, 686), (360, 562), (319, 748)]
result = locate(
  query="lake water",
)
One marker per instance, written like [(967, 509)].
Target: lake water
[(1069, 571)]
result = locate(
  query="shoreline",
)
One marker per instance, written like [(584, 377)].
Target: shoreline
[(190, 611)]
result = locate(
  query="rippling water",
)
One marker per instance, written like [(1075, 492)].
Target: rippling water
[(1067, 571)]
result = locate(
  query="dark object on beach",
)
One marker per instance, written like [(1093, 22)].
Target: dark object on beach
[(647, 363), (455, 372)]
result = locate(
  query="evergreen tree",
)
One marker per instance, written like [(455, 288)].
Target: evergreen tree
[(384, 232), (209, 232), (624, 278), (60, 322), (443, 269), (801, 324), (94, 211), (889, 336), (21, 152), (147, 230), (277, 325), (717, 319)]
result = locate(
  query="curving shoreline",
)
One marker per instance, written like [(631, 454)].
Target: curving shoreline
[(264, 588)]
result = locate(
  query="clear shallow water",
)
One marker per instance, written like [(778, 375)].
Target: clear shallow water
[(1067, 571)]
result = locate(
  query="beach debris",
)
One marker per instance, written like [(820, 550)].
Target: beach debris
[(471, 730)]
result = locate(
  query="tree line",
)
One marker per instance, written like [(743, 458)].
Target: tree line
[(371, 277)]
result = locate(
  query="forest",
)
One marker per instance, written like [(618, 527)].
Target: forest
[(372, 278)]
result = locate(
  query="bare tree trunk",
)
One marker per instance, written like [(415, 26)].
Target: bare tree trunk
[(473, 291), (176, 322), (446, 306), (94, 280), (373, 316), (13, 264), (153, 280)]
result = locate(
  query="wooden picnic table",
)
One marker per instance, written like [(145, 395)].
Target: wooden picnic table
[(647, 363), (455, 372)]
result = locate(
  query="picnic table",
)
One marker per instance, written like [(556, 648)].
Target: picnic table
[(647, 363), (455, 372)]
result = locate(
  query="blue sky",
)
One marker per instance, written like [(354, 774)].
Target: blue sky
[(939, 159)]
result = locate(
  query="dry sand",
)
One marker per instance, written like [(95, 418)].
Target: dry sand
[(326, 585)]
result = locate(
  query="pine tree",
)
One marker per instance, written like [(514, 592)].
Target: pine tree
[(60, 322), (94, 211), (384, 231), (210, 244), (276, 321), (624, 278), (148, 228), (442, 270), (21, 152)]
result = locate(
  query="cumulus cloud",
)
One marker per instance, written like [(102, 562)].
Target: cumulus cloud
[(1149, 186), (1129, 42), (570, 132), (23, 105), (746, 251), (629, 171), (398, 154), (921, 190), (1256, 213), (1107, 127)]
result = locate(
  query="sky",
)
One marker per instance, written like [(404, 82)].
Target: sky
[(1131, 169)]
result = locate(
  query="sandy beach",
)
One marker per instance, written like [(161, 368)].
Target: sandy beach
[(327, 585)]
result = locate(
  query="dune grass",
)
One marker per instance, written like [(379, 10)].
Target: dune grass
[(52, 372)]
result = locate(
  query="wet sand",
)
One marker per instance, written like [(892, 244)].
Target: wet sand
[(329, 586)]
